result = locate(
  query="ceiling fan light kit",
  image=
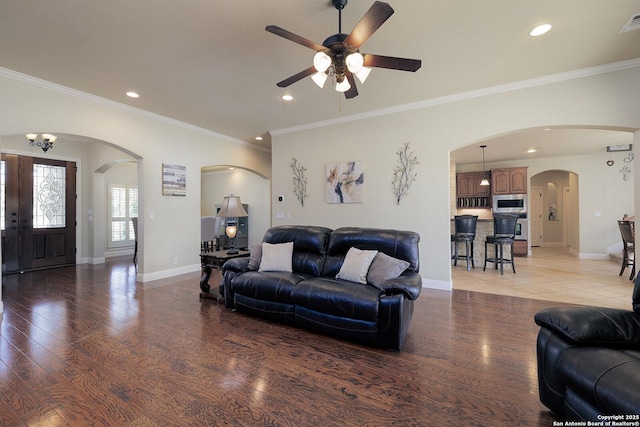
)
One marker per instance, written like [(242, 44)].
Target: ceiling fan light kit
[(339, 55)]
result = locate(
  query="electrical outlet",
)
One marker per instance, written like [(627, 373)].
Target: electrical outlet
[(175, 261)]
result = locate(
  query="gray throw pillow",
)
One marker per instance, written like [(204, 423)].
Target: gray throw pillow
[(255, 257), (384, 268)]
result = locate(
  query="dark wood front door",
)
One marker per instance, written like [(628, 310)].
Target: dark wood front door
[(40, 213)]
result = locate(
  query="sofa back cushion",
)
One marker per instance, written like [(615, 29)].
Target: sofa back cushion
[(309, 245), (395, 243)]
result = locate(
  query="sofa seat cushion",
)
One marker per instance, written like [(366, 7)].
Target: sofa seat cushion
[(605, 378), (267, 286), (338, 298)]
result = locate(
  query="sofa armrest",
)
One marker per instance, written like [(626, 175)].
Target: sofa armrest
[(593, 325), (409, 284), (236, 265)]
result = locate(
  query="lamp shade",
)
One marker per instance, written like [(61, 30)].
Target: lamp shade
[(321, 61), (231, 207), (363, 74), (343, 86), (319, 78), (354, 62)]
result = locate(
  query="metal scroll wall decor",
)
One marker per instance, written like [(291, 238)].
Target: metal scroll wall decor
[(299, 180)]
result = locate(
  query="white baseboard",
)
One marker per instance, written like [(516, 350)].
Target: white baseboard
[(437, 284), (92, 261), (157, 275)]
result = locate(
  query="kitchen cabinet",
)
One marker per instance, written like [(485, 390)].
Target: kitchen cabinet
[(469, 192), (520, 248), (509, 180)]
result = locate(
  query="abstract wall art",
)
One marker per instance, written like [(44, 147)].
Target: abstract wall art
[(345, 182)]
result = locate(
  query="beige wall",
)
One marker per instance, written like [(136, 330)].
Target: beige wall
[(169, 226), (604, 100)]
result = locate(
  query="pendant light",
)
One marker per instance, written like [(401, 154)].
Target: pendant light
[(484, 181)]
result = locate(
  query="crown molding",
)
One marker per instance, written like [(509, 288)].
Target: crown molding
[(25, 78), (508, 87)]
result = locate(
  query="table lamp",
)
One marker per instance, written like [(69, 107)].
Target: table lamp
[(231, 208)]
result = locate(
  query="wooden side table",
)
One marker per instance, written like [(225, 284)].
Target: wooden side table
[(214, 260)]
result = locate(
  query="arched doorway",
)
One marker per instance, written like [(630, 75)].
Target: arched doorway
[(555, 209), (254, 189)]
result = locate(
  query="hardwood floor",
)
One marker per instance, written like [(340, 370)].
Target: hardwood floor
[(88, 345)]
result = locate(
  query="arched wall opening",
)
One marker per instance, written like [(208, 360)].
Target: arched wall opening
[(253, 188), (554, 210), (583, 187), (95, 159)]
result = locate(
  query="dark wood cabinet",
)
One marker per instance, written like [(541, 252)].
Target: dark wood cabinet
[(469, 192), (509, 180), (520, 248)]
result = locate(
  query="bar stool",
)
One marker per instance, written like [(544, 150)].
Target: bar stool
[(504, 233), (465, 231)]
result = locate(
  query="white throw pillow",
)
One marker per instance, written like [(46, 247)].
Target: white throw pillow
[(356, 265), (276, 257)]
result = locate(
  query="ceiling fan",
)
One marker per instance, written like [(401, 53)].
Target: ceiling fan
[(339, 55)]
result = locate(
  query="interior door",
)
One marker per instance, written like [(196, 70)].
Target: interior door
[(40, 206), (536, 216)]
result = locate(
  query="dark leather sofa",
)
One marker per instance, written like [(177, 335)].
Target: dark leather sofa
[(589, 362), (312, 297)]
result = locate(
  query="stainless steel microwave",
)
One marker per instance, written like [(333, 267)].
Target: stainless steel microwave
[(510, 204)]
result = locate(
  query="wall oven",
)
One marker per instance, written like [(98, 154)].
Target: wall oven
[(510, 204)]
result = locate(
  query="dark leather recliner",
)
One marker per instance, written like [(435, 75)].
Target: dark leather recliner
[(313, 298), (589, 361)]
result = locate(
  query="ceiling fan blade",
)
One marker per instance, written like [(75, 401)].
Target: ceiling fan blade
[(370, 22), (301, 75), (294, 37), (353, 90), (393, 63)]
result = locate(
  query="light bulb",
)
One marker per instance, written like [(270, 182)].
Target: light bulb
[(354, 62), (321, 61), (343, 86), (231, 231), (319, 78)]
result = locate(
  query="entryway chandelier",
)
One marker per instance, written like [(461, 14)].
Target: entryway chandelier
[(45, 144)]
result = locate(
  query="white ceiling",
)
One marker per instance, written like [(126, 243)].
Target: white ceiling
[(210, 63)]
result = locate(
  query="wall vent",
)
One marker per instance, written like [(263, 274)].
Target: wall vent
[(632, 24)]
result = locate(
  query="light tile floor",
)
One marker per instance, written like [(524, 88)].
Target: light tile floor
[(552, 274)]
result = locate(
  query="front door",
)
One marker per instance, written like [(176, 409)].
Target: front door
[(39, 221)]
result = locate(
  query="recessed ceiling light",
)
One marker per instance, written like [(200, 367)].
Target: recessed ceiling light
[(133, 95), (531, 150), (541, 29), (287, 97), (258, 138)]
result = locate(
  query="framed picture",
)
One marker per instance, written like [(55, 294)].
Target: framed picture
[(174, 180), (345, 182)]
